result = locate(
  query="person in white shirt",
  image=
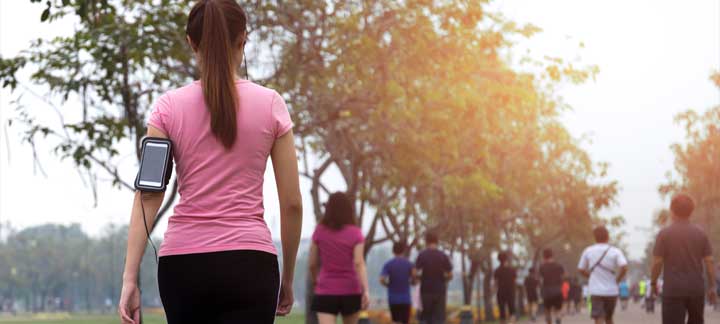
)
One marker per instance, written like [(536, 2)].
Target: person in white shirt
[(605, 266)]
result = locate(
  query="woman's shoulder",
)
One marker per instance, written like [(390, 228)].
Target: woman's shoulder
[(256, 89), (353, 229), (192, 88), (244, 85)]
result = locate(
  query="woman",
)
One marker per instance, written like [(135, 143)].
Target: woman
[(337, 251), (217, 262)]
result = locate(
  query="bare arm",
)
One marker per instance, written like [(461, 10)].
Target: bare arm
[(448, 275), (384, 281), (129, 304), (621, 274), (284, 160), (584, 273), (655, 270), (711, 276), (414, 277), (314, 263), (360, 269), (137, 236), (710, 269), (583, 266)]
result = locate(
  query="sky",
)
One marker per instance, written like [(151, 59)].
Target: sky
[(655, 58)]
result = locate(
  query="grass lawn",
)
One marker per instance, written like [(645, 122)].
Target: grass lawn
[(107, 319)]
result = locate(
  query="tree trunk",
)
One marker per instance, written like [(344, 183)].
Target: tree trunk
[(487, 294), (466, 280), (467, 289), (87, 297), (43, 296)]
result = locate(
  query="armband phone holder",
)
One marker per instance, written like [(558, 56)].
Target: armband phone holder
[(156, 164)]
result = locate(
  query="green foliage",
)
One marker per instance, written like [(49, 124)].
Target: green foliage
[(121, 56)]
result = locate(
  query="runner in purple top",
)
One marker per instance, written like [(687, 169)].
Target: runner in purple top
[(397, 275), (337, 264)]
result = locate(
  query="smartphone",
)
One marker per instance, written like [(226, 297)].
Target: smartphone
[(155, 164)]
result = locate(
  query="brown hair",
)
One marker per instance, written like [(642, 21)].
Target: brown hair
[(682, 205), (216, 28), (339, 212)]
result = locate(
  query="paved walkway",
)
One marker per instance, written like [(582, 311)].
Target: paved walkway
[(633, 315)]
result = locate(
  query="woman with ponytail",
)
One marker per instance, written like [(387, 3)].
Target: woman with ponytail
[(217, 261)]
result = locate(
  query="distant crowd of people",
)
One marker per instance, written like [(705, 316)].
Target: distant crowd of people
[(681, 251), (341, 288)]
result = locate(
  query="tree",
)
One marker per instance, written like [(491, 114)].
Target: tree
[(697, 166), (120, 57), (57, 261)]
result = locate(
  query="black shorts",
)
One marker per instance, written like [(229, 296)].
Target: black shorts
[(532, 296), (506, 305), (552, 301), (219, 287), (337, 304), (603, 306), (400, 313)]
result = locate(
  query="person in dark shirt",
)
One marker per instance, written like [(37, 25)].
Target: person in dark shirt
[(531, 292), (717, 287), (505, 277), (552, 274), (435, 270), (397, 275), (681, 250)]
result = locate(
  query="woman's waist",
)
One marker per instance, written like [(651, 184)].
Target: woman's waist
[(216, 224), (348, 285), (195, 233), (225, 208), (338, 277)]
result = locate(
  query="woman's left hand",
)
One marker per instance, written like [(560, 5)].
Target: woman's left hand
[(129, 307)]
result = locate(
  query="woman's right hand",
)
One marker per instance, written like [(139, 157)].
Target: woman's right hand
[(286, 299), (365, 300), (129, 306)]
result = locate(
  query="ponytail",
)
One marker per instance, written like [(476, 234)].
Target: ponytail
[(217, 27)]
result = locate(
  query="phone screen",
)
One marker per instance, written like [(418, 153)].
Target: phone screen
[(153, 163)]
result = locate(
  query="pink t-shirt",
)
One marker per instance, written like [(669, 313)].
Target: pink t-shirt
[(337, 270), (221, 191)]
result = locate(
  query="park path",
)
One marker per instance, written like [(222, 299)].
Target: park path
[(633, 315)]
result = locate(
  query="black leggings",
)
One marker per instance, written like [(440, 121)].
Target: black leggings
[(225, 287)]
